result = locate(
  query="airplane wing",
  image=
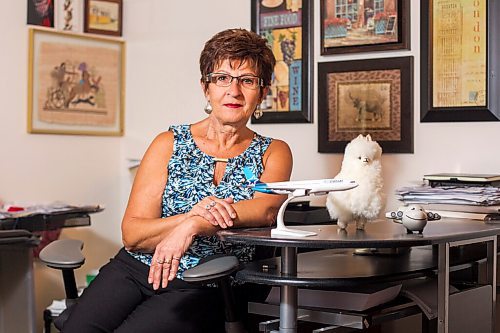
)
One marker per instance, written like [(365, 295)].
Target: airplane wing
[(320, 186)]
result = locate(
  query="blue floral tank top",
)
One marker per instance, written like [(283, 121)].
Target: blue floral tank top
[(190, 179)]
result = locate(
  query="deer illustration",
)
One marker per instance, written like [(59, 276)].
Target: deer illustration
[(368, 104)]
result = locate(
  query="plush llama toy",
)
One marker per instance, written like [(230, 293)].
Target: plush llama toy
[(363, 203)]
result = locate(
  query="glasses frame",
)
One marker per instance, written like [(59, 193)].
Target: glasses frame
[(208, 79)]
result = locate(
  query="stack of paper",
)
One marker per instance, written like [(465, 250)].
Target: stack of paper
[(469, 202), (459, 195)]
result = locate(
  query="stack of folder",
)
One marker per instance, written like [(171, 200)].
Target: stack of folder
[(471, 196)]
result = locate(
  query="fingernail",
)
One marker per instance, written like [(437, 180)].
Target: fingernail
[(233, 215), (150, 280)]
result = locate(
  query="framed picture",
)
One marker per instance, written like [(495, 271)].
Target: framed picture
[(371, 96), (69, 15), (103, 17), (459, 60), (288, 27), (41, 12), (349, 26), (76, 84)]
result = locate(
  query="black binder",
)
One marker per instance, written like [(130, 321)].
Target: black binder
[(462, 179)]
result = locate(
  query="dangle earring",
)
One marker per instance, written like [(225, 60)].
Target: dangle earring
[(208, 108), (258, 112)]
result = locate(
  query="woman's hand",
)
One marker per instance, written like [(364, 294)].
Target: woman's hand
[(218, 212), (168, 254)]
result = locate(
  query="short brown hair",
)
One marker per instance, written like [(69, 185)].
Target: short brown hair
[(238, 44)]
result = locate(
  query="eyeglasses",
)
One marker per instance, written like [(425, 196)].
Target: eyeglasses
[(224, 80)]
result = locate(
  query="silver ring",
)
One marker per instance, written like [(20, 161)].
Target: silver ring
[(176, 258), (213, 203), (159, 261), (207, 207)]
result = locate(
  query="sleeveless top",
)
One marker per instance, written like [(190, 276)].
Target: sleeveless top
[(190, 179)]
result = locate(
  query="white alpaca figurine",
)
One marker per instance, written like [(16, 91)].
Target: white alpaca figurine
[(363, 203)]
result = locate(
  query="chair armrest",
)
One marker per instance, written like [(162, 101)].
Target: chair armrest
[(212, 269), (63, 254)]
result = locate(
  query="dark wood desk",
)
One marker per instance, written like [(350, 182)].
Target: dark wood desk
[(442, 235), (74, 217)]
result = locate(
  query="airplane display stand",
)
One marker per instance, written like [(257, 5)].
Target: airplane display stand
[(281, 230)]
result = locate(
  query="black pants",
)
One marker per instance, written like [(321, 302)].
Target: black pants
[(120, 299)]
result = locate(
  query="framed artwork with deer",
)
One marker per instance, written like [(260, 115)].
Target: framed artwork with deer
[(370, 96)]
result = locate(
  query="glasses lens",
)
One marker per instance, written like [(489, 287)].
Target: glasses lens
[(221, 80), (250, 82)]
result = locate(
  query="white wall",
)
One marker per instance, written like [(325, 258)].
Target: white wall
[(46, 168), (164, 39)]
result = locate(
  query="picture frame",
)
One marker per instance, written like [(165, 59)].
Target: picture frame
[(288, 27), (75, 84), (459, 71), (352, 26), (370, 96), (103, 17), (40, 12), (69, 15)]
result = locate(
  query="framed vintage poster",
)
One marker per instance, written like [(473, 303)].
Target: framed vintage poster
[(349, 26), (370, 96), (69, 15), (288, 27), (40, 12), (103, 17), (459, 60), (76, 84)]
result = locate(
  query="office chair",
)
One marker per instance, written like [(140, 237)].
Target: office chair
[(66, 255), (217, 269)]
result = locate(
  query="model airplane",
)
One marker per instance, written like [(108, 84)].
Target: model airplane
[(301, 187), (297, 189)]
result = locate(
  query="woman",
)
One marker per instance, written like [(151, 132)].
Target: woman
[(190, 184)]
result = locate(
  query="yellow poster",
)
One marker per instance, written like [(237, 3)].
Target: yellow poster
[(459, 53)]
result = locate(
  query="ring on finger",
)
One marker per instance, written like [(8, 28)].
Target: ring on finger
[(213, 203), (208, 207), (176, 258), (159, 261)]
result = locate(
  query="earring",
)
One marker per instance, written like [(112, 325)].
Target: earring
[(258, 112), (208, 108)]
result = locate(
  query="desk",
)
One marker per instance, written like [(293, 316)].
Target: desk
[(442, 234), (17, 305)]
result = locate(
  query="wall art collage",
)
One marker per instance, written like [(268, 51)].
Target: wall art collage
[(375, 95), (76, 67)]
